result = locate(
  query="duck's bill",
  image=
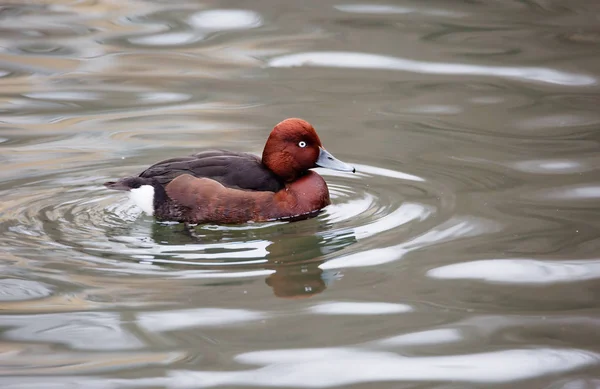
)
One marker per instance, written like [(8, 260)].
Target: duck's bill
[(328, 161)]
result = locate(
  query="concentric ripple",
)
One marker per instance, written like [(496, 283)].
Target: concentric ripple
[(93, 225)]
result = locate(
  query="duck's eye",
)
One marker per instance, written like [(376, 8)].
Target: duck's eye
[(302, 143)]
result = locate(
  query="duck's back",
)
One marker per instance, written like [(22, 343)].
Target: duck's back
[(231, 169)]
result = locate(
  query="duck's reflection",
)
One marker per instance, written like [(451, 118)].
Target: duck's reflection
[(296, 261), (293, 251), (297, 281)]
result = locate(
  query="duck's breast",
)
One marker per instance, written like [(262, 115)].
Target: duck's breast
[(206, 200)]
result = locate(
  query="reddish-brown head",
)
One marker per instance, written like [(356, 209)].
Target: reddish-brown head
[(294, 147)]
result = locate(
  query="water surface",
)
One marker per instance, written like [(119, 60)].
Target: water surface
[(462, 254)]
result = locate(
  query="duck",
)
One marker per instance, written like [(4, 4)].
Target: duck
[(229, 187)]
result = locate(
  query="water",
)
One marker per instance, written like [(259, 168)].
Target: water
[(463, 254)]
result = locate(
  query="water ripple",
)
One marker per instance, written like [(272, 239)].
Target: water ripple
[(357, 60), (225, 19), (80, 216), (356, 308), (323, 368), (520, 271)]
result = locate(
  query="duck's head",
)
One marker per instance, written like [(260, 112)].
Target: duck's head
[(294, 147)]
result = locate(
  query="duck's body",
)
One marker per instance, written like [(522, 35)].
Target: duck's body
[(220, 186), (232, 169)]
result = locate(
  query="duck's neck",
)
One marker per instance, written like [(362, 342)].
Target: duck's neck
[(280, 163)]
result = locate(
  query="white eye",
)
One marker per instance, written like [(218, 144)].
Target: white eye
[(302, 143)]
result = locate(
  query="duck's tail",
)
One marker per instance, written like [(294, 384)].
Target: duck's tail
[(145, 192), (127, 183)]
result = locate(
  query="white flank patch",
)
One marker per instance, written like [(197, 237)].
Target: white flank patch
[(143, 197)]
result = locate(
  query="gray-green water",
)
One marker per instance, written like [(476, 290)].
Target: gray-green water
[(463, 254)]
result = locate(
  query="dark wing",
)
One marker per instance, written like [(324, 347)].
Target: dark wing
[(232, 169)]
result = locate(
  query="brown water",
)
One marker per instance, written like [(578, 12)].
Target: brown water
[(463, 254)]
